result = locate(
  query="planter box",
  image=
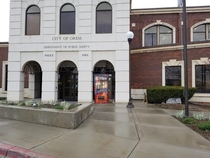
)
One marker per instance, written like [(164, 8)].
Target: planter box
[(59, 118)]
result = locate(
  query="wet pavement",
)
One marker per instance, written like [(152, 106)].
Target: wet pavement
[(112, 131)]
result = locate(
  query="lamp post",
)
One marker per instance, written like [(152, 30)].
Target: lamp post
[(130, 36), (185, 59)]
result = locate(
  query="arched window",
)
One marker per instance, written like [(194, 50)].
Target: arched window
[(67, 19), (33, 21), (158, 35), (104, 18), (201, 32)]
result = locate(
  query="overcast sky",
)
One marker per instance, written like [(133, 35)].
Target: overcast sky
[(4, 11)]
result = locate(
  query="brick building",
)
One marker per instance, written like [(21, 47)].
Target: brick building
[(157, 51)]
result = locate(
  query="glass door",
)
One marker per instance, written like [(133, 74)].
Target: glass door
[(69, 87)]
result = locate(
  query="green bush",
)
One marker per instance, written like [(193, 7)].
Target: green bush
[(189, 120), (159, 94), (59, 107), (204, 126), (3, 98)]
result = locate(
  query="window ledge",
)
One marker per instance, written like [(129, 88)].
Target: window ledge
[(202, 95)]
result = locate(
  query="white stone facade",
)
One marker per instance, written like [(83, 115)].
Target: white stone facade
[(84, 48)]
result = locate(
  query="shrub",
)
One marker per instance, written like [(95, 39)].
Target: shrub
[(65, 105), (21, 104), (3, 98), (159, 94), (40, 103), (204, 126), (199, 116), (5, 102), (59, 107), (179, 114), (189, 120), (53, 103), (28, 103)]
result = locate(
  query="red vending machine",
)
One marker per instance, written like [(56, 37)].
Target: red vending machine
[(101, 88)]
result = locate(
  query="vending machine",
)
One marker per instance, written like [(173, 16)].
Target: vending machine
[(102, 88)]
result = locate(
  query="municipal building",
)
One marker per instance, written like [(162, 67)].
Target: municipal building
[(77, 50), (61, 47)]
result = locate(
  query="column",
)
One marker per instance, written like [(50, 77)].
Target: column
[(85, 80), (49, 77), (15, 91)]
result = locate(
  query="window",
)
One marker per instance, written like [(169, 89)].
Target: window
[(173, 75), (202, 78), (104, 18), (201, 32), (67, 19), (158, 35), (33, 21)]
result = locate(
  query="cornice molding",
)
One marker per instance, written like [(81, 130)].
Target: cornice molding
[(169, 10), (4, 44)]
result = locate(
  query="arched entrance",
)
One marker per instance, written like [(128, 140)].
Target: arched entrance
[(104, 82), (33, 79), (68, 81)]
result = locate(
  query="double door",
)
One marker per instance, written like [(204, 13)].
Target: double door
[(68, 86)]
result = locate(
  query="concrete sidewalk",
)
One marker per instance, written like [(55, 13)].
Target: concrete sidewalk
[(111, 131)]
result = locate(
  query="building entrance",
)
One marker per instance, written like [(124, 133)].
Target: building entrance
[(104, 82), (33, 79), (68, 82)]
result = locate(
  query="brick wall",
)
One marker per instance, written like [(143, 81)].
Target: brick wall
[(146, 66), (173, 19)]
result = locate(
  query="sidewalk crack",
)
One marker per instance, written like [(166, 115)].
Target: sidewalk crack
[(137, 135)]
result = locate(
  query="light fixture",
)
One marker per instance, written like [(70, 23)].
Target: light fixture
[(130, 36)]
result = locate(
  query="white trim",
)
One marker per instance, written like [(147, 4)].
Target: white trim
[(195, 25), (3, 44), (170, 48), (172, 62), (4, 63), (174, 10), (201, 61), (159, 22)]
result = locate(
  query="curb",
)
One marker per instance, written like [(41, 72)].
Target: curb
[(4, 149), (8, 151)]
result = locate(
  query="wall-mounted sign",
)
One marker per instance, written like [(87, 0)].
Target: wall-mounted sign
[(49, 55), (70, 38), (67, 46)]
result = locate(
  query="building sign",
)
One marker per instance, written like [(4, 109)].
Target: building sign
[(85, 55), (67, 47), (49, 55), (66, 38), (65, 43)]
